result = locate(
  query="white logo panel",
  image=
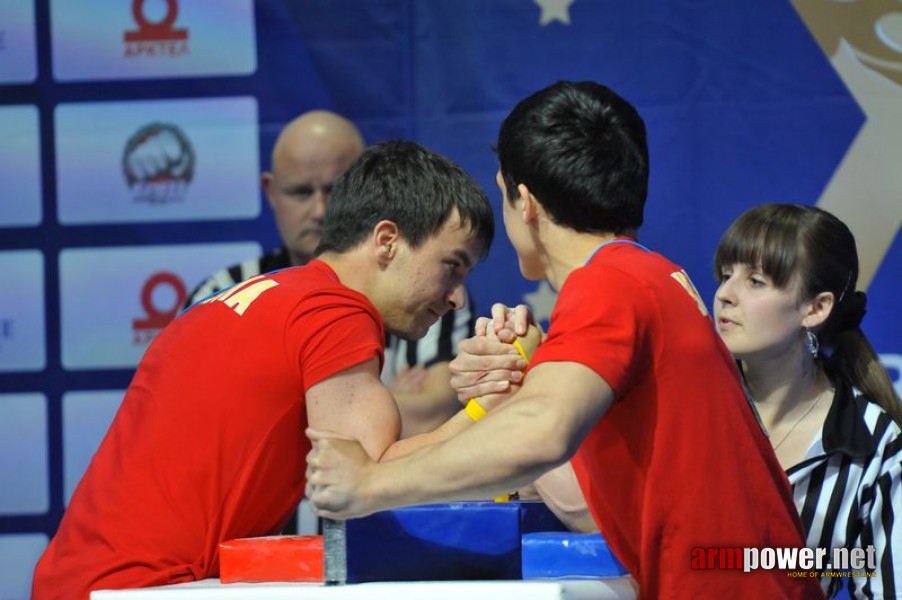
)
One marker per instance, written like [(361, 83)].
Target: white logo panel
[(86, 419), (115, 300), (22, 329), (158, 160), (145, 39), (20, 166), (23, 435), (18, 48), (19, 553)]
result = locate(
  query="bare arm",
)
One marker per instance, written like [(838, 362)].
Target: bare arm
[(432, 402), (424, 394), (560, 491), (484, 364), (511, 447), (355, 403)]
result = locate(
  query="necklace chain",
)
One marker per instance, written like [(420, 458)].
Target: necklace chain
[(802, 418)]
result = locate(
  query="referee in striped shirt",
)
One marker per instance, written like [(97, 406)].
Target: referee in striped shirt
[(787, 309)]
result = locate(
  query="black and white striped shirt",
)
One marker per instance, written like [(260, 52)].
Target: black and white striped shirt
[(438, 345), (848, 491)]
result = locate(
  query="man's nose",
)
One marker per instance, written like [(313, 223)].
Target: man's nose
[(458, 297), (320, 201)]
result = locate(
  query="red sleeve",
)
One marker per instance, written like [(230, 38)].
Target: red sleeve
[(600, 320), (332, 332)]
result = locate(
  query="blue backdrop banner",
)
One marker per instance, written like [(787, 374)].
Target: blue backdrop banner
[(132, 135)]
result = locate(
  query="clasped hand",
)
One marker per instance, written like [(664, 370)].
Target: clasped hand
[(337, 474), (487, 366), (340, 474)]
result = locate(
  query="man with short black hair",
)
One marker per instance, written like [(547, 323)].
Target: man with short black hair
[(631, 381)]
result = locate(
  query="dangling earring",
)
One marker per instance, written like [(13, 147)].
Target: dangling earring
[(811, 343)]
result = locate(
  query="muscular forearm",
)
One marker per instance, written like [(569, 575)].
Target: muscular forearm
[(560, 491), (449, 429), (431, 405), (513, 445), (457, 423), (484, 460)]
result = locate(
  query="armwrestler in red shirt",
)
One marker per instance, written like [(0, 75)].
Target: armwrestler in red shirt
[(631, 381), (209, 442)]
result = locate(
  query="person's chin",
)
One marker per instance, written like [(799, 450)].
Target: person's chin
[(408, 334), (312, 241), (306, 248), (415, 331), (419, 331)]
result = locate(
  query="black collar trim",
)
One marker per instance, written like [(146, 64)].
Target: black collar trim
[(845, 429)]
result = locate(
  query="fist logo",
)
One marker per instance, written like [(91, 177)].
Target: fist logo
[(158, 163)]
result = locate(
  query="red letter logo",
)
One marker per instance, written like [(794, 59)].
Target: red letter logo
[(153, 32), (157, 318)]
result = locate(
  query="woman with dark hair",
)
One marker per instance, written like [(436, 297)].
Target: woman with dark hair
[(787, 309)]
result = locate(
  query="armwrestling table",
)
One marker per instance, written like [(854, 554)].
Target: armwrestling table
[(618, 588)]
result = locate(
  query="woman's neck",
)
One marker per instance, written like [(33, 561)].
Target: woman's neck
[(792, 397), (779, 385)]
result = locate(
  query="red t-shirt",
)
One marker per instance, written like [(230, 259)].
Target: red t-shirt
[(209, 442), (679, 461)]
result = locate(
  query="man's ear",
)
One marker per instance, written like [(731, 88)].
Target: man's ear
[(386, 236), (266, 180), (816, 311), (531, 207)]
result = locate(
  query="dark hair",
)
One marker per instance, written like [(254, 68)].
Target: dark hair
[(581, 150), (792, 240), (408, 184)]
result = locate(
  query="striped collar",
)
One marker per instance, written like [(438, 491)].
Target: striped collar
[(845, 429), (844, 432)]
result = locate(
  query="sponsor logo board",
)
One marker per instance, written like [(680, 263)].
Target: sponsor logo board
[(145, 39), (23, 434), (22, 328), (114, 301), (20, 166), (18, 42), (158, 160)]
